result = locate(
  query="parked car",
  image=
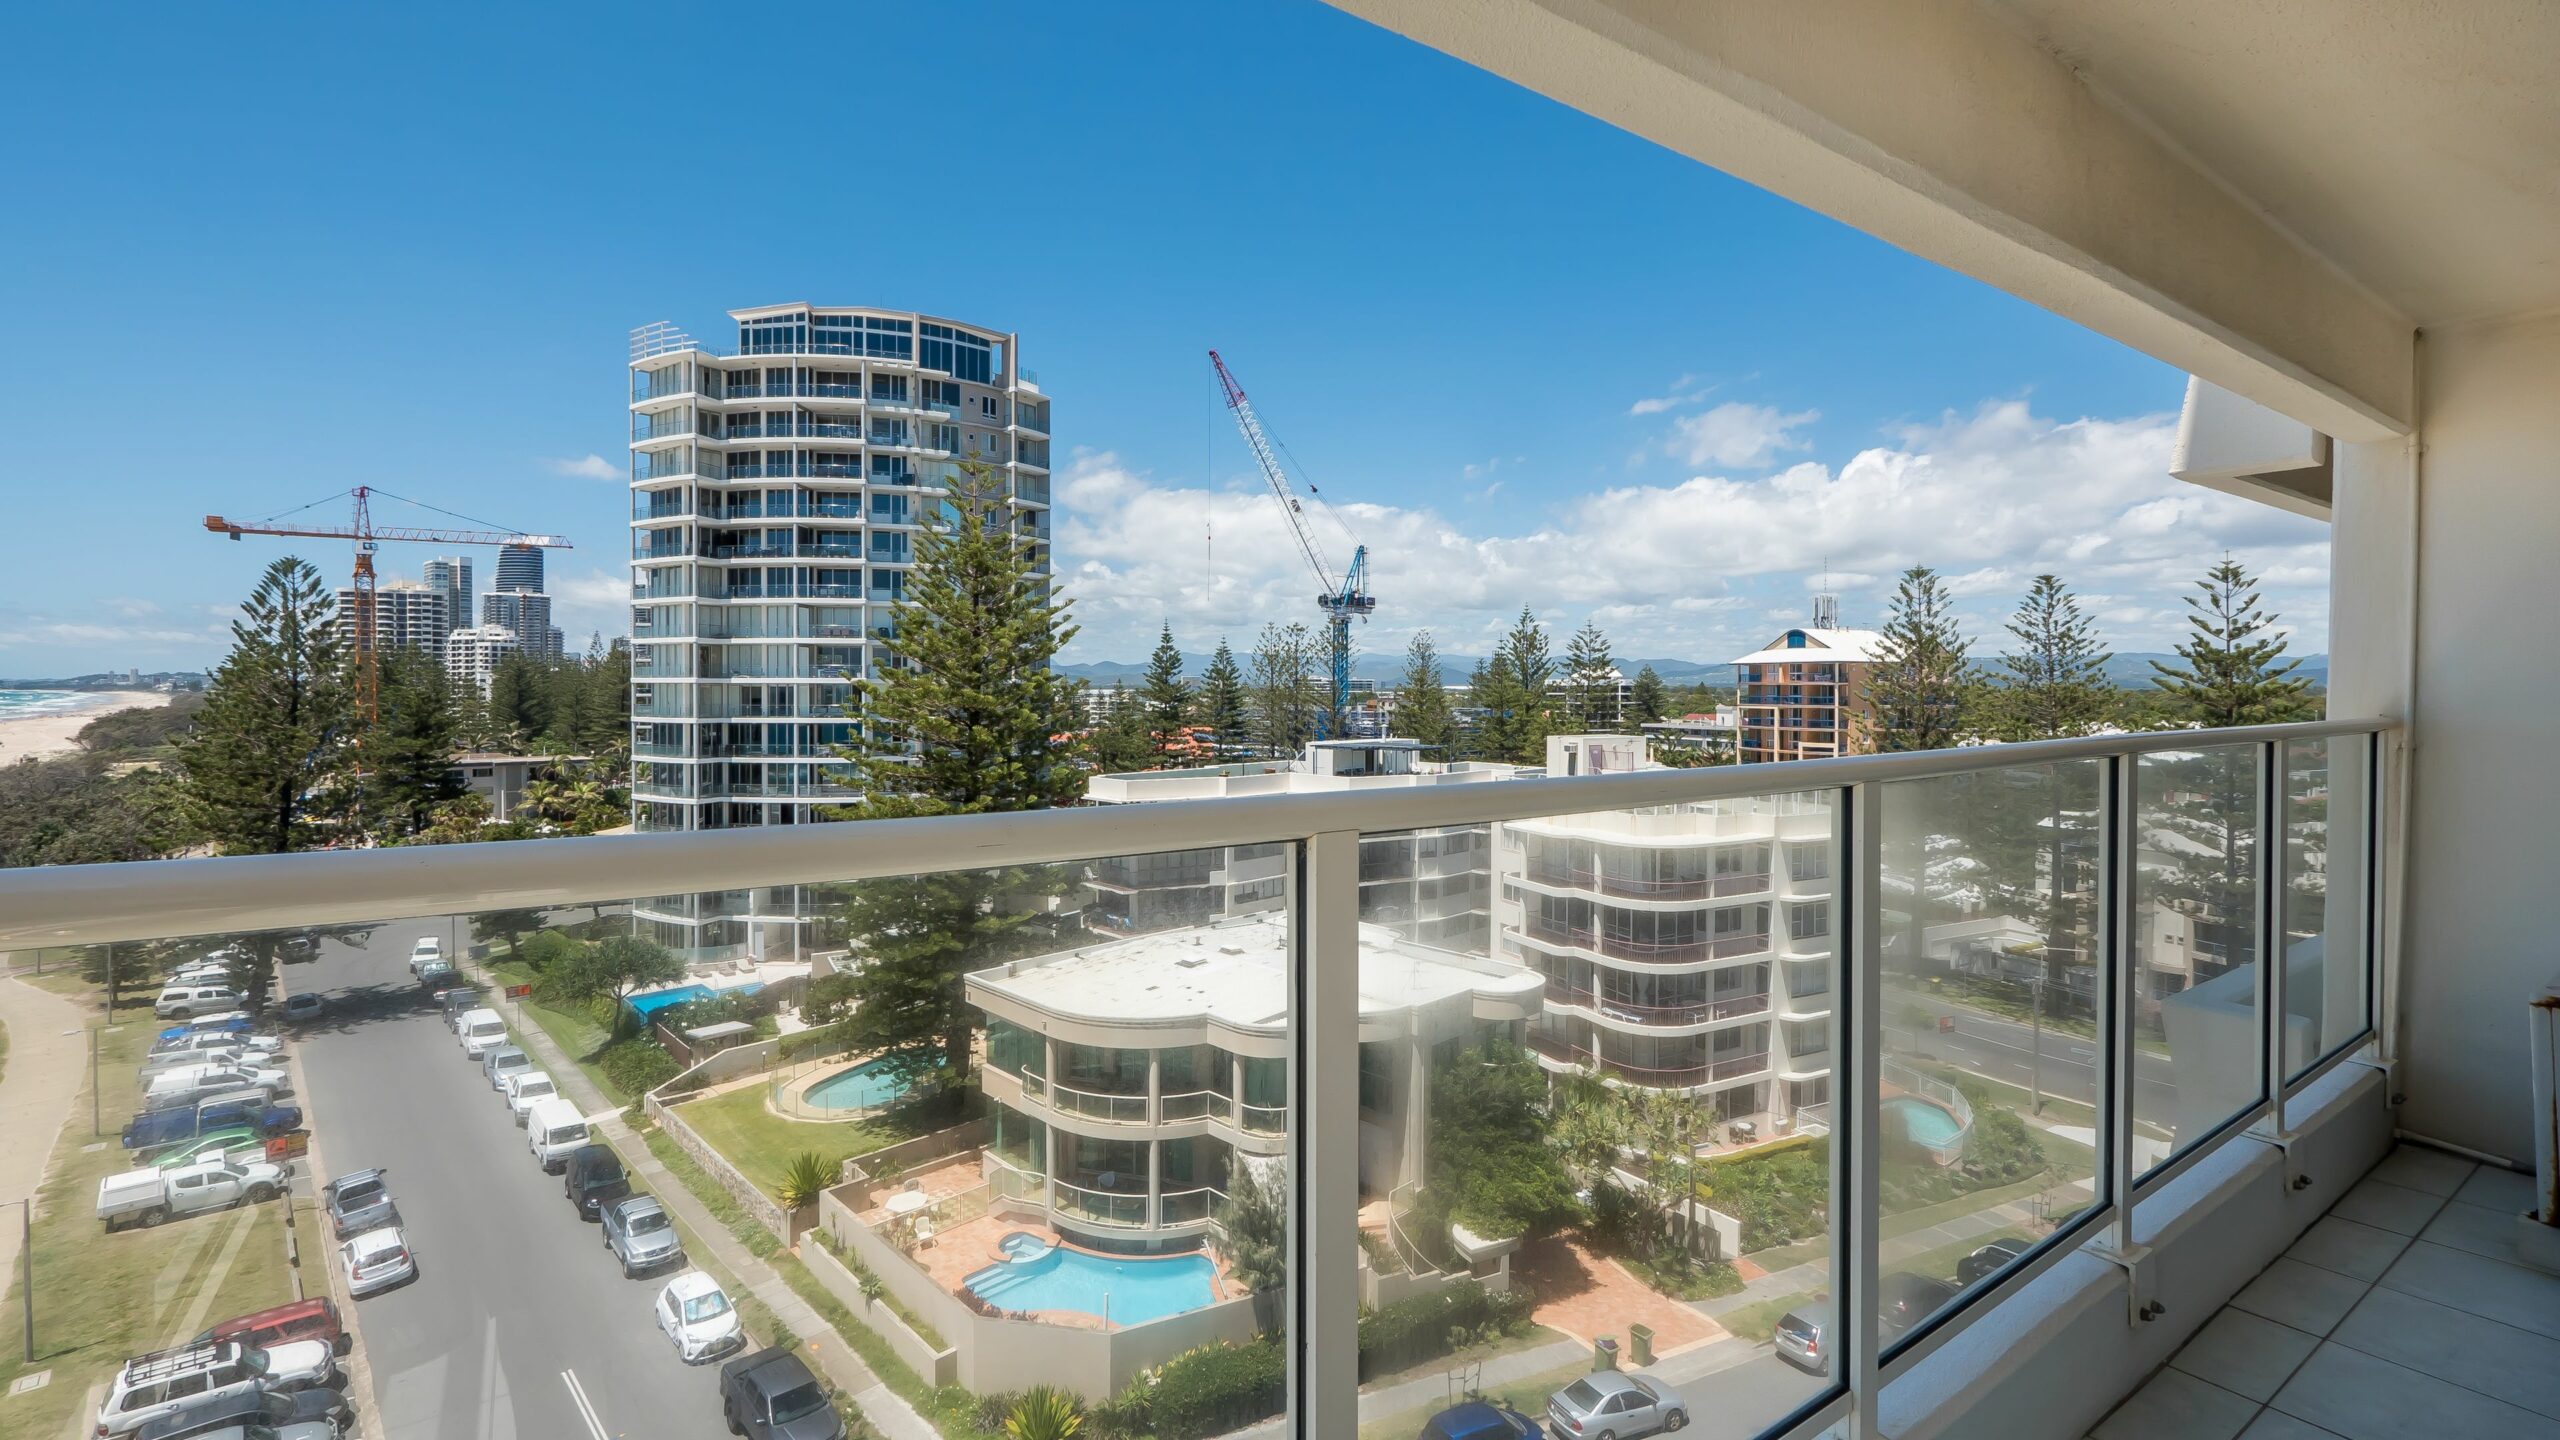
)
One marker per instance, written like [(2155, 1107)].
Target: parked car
[(1480, 1420), (153, 1129), (151, 1195), (359, 1201), (256, 1415), (456, 1001), (1991, 1258), (501, 1062), (436, 974), (554, 1131), (377, 1260), (191, 1041), (1906, 1299), (428, 948), (169, 1062), (151, 1386), (189, 1084), (313, 1319), (525, 1087), (481, 1031), (641, 1236), (215, 1146), (697, 1317), (303, 1007), (1613, 1405), (771, 1395), (593, 1179), (182, 1000), (233, 1021), (1803, 1338)]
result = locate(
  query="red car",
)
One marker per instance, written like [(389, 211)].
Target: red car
[(301, 1320)]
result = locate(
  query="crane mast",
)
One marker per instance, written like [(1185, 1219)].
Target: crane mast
[(1340, 598)]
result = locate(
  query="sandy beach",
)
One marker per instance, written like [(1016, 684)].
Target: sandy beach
[(50, 733)]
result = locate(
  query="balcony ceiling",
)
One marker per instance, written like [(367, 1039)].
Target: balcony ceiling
[(2416, 144)]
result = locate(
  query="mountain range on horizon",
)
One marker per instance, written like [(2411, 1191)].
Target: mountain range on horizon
[(2130, 670)]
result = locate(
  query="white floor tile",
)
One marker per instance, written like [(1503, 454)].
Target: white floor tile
[(2364, 1398), (2498, 1190), (2386, 1206), (2277, 1425), (2246, 1354), (2500, 1361), (2475, 1228), (2360, 1251), (2420, 1168), (2305, 1297), (2510, 1294), (2174, 1405)]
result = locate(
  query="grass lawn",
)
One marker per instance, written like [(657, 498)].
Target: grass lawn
[(102, 1298), (1528, 1395), (761, 1143), (1757, 1322), (573, 1029), (1941, 1261)]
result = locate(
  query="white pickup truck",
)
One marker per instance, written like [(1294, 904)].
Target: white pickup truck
[(150, 1196)]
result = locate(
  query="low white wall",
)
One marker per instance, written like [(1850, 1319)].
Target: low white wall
[(735, 1061), (937, 1366), (2051, 1363)]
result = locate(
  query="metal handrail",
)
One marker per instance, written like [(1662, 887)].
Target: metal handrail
[(158, 899), (1074, 1101)]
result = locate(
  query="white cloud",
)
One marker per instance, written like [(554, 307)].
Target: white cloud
[(1684, 391), (585, 467), (1702, 568), (1736, 436), (598, 602)]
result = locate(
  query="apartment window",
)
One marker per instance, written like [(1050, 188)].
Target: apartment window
[(1808, 862), (1806, 922)]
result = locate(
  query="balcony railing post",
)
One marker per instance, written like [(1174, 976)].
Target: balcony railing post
[(2274, 758), (2378, 915), (2120, 977), (1324, 1156), (1858, 858)]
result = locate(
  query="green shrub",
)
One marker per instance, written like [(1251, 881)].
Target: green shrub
[(1218, 1388), (637, 1066), (1779, 1196), (1044, 1413), (1426, 1327)]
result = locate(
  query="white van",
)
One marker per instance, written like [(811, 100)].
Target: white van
[(424, 951), (482, 1031), (553, 1128), (179, 1001)]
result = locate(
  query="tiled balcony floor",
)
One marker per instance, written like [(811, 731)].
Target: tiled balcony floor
[(2399, 1316)]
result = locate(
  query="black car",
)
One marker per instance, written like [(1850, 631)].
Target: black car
[(1906, 1300), (1989, 1260), (771, 1395), (593, 1179), (276, 1412), (358, 1202)]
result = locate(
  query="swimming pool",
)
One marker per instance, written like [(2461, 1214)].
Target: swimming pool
[(647, 1006), (1924, 1122), (866, 1086), (1125, 1290)]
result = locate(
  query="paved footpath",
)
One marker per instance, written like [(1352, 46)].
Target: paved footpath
[(886, 1410), (48, 1061)]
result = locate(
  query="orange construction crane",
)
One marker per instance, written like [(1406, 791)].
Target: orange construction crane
[(369, 537)]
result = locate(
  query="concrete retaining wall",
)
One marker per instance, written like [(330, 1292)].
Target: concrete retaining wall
[(938, 1366), (727, 1064), (767, 1210)]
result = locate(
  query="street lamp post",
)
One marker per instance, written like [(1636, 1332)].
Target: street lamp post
[(2035, 1048), (27, 1269)]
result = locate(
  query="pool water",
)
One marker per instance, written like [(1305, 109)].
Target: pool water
[(1125, 1290), (866, 1086), (647, 1006), (1924, 1123)]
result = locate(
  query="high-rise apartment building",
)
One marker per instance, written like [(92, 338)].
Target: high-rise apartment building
[(776, 494), (405, 613), (528, 614), (1804, 694), (519, 568), (471, 654), (452, 575)]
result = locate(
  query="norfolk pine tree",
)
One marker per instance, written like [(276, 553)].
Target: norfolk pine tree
[(2231, 676), (965, 723), (1590, 680), (1283, 701), (277, 720), (1920, 679), (2053, 682), (1422, 702), (1221, 702), (1168, 699), (1650, 697)]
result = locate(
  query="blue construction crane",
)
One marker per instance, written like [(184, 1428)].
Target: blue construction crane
[(1340, 599)]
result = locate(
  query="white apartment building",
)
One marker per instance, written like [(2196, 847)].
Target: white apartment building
[(471, 655), (1433, 885), (1126, 1079), (405, 613), (776, 492)]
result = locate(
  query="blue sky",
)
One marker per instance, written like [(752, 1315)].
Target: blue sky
[(265, 253)]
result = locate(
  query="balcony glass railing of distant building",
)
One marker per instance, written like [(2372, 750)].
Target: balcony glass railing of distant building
[(2150, 1085)]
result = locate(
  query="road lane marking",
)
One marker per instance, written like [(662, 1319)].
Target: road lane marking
[(586, 1409)]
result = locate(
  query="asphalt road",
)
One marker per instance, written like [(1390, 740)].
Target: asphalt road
[(516, 1297), (1744, 1399), (2006, 1050)]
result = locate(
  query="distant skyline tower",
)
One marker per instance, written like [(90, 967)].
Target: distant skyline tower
[(519, 568), (452, 575), (526, 613)]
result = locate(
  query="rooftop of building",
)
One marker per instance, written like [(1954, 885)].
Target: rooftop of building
[(1805, 643), (1236, 973), (1323, 765)]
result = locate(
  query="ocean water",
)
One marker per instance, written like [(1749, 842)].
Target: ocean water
[(17, 703)]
